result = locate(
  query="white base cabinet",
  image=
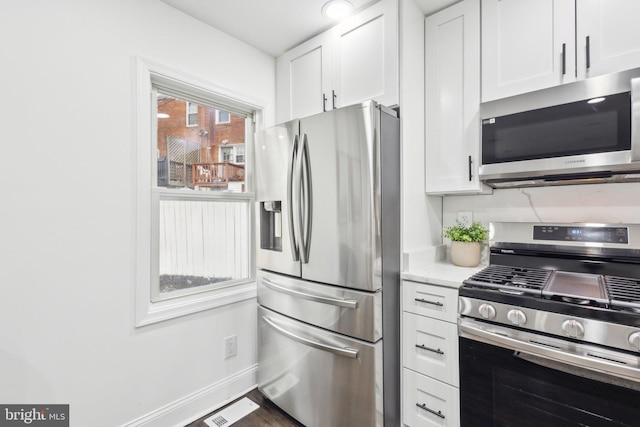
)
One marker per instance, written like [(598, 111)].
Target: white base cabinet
[(428, 402), (430, 374)]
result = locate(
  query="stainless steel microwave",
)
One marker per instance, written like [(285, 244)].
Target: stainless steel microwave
[(582, 132)]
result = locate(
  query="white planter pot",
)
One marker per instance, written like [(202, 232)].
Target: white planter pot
[(465, 254)]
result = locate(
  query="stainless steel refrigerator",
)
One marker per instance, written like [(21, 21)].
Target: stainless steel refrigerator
[(328, 258)]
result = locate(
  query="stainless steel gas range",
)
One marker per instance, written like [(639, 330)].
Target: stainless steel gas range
[(550, 330)]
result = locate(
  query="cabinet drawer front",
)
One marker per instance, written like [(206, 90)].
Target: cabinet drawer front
[(431, 347), (429, 300), (428, 402)]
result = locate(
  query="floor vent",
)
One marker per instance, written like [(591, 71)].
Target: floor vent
[(232, 413)]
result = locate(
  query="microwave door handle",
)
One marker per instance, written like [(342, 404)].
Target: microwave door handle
[(295, 251), (306, 195)]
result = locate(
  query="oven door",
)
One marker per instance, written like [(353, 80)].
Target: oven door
[(514, 378)]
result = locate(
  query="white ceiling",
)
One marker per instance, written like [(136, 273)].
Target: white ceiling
[(274, 26)]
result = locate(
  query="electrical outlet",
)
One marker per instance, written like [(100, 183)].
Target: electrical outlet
[(465, 218), (230, 346)]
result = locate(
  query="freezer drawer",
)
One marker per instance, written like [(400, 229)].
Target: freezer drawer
[(346, 311), (318, 377)]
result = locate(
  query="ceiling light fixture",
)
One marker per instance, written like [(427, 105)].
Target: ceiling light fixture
[(595, 100), (163, 116), (337, 9)]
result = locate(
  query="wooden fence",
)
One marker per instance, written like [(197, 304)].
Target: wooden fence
[(204, 239)]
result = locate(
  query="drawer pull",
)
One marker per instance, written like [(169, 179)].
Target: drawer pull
[(434, 350), (424, 407), (437, 303)]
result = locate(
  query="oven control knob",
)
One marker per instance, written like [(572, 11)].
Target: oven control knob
[(573, 329), (487, 311), (634, 341), (517, 317)]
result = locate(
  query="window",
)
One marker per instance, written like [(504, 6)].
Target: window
[(194, 239), (223, 117), (232, 154), (192, 113)]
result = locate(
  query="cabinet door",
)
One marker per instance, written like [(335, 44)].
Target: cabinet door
[(430, 347), (452, 86), (427, 402), (608, 36), (437, 302), (365, 56), (523, 43), (303, 79)]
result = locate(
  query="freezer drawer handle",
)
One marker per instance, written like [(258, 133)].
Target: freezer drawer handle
[(434, 350), (424, 407), (347, 303), (439, 304), (346, 352)]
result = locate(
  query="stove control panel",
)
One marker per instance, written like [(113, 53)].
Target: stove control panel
[(573, 329), (487, 311), (634, 341), (517, 317), (582, 233)]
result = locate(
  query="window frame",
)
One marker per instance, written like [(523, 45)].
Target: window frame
[(188, 112), (147, 194), (218, 122)]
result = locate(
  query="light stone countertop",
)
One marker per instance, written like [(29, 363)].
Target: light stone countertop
[(432, 267)]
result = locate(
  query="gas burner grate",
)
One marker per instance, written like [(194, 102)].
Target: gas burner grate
[(523, 280), (624, 292)]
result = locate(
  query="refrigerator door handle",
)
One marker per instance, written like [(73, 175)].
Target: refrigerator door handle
[(295, 251), (306, 196), (341, 351), (347, 303)]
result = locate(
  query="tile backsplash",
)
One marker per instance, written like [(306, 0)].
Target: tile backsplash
[(599, 203)]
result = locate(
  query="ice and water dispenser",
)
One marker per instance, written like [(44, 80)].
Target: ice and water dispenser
[(271, 225)]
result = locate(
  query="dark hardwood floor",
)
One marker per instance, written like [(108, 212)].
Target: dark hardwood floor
[(267, 415)]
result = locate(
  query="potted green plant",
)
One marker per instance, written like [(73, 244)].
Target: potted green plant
[(466, 242)]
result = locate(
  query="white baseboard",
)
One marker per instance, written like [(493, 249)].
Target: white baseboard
[(198, 404)]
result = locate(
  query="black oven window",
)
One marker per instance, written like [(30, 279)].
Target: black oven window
[(499, 389)]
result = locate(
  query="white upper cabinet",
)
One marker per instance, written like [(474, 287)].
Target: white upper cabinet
[(608, 36), (452, 91), (365, 56), (530, 45), (303, 77), (526, 45), (355, 61)]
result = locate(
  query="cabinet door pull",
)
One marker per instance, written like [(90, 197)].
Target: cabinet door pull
[(333, 94), (324, 103), (470, 174), (439, 304), (588, 52), (433, 350), (424, 407), (564, 59)]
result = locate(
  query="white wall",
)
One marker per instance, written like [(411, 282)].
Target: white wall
[(421, 214), (601, 203), (67, 217)]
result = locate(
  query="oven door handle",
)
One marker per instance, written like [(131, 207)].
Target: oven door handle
[(554, 358)]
